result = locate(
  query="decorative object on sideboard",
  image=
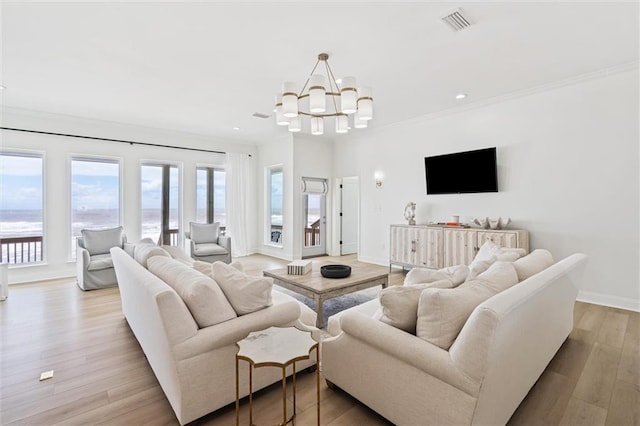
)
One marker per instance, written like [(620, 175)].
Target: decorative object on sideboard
[(335, 271), (492, 223), (410, 212), (323, 97), (378, 178), (455, 219)]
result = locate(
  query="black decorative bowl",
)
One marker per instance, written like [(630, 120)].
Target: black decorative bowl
[(335, 271)]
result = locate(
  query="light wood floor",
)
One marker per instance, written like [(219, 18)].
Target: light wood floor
[(102, 377)]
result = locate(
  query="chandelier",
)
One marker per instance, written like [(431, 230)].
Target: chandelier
[(322, 97)]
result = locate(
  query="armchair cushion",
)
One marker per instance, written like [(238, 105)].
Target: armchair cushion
[(204, 232), (202, 295), (99, 262), (100, 241), (208, 249), (245, 293)]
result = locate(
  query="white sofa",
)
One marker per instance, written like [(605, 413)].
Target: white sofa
[(500, 352), (195, 366)]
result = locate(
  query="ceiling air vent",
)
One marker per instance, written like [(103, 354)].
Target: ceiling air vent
[(456, 20), (260, 115)]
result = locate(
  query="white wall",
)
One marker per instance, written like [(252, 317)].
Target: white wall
[(568, 163), (58, 150), (299, 155)]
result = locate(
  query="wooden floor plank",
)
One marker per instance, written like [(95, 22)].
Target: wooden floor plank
[(625, 405), (613, 329), (584, 414), (596, 382)]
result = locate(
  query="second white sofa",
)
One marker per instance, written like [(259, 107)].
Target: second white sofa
[(502, 349)]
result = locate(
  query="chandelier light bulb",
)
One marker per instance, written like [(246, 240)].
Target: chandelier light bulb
[(289, 99), (365, 103), (281, 120), (317, 125), (349, 95), (295, 125), (358, 123), (317, 92), (342, 123)]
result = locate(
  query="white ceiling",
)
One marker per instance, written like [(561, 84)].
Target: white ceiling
[(205, 67)]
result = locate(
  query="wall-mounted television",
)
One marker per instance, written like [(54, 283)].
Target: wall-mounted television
[(462, 172)]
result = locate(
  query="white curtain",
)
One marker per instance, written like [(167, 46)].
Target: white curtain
[(239, 200)]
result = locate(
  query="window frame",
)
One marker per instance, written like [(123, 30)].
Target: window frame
[(210, 188), (269, 172), (161, 163), (43, 200), (96, 159)]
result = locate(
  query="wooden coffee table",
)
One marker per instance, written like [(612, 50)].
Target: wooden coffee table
[(313, 285)]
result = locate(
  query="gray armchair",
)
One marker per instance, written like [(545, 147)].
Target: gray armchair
[(93, 260), (207, 244)]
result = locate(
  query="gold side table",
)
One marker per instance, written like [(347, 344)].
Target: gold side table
[(276, 347)]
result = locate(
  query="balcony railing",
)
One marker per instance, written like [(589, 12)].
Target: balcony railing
[(18, 250), (312, 234)]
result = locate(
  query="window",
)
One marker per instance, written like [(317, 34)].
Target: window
[(275, 187), (95, 195), (21, 207), (160, 189), (210, 196)]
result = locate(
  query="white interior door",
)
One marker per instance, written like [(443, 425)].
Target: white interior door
[(349, 217)]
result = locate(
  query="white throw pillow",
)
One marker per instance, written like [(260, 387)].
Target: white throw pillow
[(443, 312), (487, 251), (207, 268), (535, 262), (478, 267), (454, 274), (202, 295), (245, 293), (144, 251)]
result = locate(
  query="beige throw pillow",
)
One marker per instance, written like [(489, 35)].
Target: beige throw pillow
[(535, 262), (454, 274), (443, 312), (145, 251), (399, 305), (245, 293), (202, 295)]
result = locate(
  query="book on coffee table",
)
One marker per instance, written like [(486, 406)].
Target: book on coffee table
[(299, 267)]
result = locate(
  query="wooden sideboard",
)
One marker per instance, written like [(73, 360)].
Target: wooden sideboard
[(437, 246)]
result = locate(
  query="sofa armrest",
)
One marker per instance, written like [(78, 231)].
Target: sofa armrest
[(407, 348), (224, 241), (234, 330)]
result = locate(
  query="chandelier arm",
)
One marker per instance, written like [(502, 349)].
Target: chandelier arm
[(332, 78), (308, 78)]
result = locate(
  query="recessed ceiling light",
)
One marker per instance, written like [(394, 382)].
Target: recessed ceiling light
[(461, 95), (236, 128)]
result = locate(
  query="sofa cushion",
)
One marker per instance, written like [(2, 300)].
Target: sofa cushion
[(100, 241), (202, 295), (144, 251), (207, 267), (454, 274), (209, 249), (100, 261), (535, 262), (178, 254), (245, 293), (399, 304), (490, 253), (443, 312), (204, 232)]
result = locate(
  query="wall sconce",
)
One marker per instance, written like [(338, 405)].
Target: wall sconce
[(378, 178)]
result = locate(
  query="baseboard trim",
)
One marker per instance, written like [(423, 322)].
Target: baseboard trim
[(611, 301), (374, 260)]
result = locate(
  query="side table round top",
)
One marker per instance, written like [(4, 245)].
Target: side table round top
[(276, 346)]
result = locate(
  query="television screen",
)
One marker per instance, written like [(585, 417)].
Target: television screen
[(462, 172)]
